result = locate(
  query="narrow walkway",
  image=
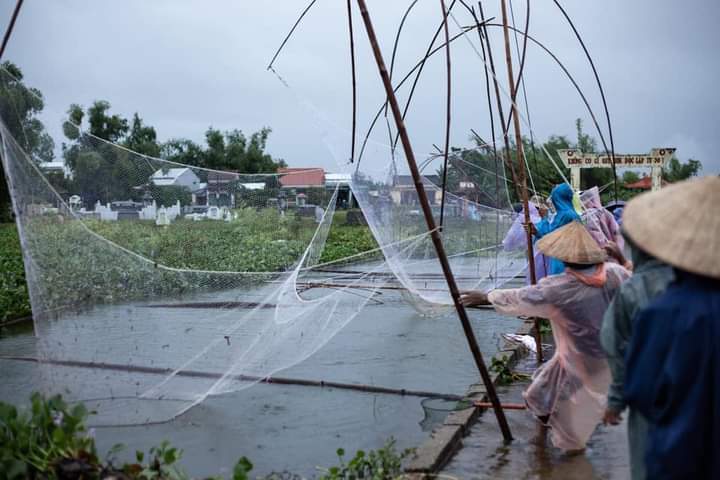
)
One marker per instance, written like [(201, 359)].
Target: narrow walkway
[(530, 456)]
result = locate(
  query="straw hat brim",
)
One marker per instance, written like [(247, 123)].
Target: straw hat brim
[(572, 244), (679, 225)]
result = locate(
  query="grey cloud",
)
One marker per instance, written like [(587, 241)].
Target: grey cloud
[(185, 65)]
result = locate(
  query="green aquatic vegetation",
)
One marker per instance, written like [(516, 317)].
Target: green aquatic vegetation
[(384, 463), (505, 374), (49, 440), (78, 268), (14, 301)]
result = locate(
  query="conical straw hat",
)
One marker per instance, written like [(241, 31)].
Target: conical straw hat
[(572, 244), (679, 225)]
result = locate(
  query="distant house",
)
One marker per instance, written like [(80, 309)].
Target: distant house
[(341, 181), (644, 183), (403, 190), (175, 177), (54, 167), (252, 185), (218, 191), (301, 178)]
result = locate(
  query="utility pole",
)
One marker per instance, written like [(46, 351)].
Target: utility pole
[(521, 169)]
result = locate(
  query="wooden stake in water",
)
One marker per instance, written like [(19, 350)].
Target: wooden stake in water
[(434, 234)]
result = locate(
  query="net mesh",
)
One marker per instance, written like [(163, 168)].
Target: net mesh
[(164, 283)]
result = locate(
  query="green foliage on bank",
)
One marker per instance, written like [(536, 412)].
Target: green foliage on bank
[(49, 439), (14, 301), (79, 269)]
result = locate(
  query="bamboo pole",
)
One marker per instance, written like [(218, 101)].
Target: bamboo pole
[(448, 104), (432, 228), (505, 406), (10, 27), (521, 169), (358, 387)]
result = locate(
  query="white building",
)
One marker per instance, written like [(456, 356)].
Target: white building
[(55, 167), (176, 177)]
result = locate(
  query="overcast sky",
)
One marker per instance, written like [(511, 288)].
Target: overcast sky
[(186, 65)]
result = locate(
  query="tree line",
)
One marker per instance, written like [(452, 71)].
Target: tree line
[(488, 171), (101, 171)]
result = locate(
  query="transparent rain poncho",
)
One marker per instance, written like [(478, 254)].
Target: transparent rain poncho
[(571, 387), (600, 223), (516, 240)]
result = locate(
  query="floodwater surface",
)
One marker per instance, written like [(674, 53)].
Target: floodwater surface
[(278, 427)]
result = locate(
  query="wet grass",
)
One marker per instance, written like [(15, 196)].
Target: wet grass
[(14, 301), (92, 272)]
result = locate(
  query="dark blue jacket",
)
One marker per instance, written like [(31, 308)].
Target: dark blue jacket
[(673, 378)]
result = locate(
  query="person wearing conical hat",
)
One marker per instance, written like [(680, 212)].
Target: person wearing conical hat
[(672, 373), (569, 391)]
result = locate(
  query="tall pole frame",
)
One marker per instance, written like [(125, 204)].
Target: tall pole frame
[(522, 178), (11, 26), (432, 228)]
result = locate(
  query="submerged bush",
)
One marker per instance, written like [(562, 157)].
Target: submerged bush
[(14, 301), (382, 464), (49, 440)]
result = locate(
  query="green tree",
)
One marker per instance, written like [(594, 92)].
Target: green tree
[(230, 150), (677, 171), (19, 107), (182, 150), (102, 171), (142, 138)]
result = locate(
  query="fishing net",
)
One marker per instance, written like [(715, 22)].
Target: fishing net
[(155, 284)]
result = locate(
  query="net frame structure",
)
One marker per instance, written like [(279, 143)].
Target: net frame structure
[(248, 363)]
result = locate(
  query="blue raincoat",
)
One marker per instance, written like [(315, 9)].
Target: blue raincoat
[(562, 197), (672, 378)]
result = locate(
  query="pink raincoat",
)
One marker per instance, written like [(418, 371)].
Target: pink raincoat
[(516, 239), (600, 223), (571, 388)]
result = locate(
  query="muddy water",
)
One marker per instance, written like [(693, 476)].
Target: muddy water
[(530, 456), (294, 428)]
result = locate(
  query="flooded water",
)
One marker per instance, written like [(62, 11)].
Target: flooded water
[(279, 427), (530, 456)]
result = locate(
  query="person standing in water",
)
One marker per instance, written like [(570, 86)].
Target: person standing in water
[(568, 392)]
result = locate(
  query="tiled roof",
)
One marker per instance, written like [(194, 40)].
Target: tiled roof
[(407, 180), (302, 177)]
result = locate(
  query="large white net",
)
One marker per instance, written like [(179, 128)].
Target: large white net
[(155, 284)]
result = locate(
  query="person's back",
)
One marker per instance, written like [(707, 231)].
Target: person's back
[(650, 278), (600, 223), (674, 380), (672, 375)]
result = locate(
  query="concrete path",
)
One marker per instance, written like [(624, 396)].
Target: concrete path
[(530, 456)]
